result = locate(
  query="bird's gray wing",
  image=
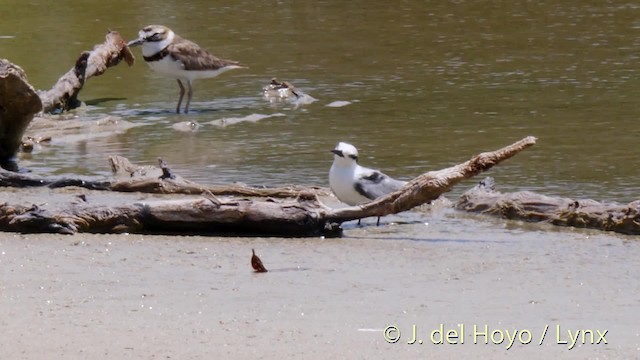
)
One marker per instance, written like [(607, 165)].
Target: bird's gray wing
[(193, 57), (375, 184)]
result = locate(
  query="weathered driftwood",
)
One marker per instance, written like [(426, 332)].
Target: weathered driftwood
[(195, 216), (148, 179), (64, 94), (19, 180), (134, 178), (529, 206), (19, 102), (303, 216)]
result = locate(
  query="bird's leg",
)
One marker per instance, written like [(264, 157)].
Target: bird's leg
[(189, 94), (378, 222), (181, 96), (358, 222)]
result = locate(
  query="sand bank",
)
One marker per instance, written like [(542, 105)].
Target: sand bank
[(160, 297)]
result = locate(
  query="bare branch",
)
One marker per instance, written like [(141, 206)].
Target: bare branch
[(64, 94)]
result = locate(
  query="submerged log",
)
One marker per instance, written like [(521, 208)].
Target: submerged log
[(19, 102), (529, 206), (63, 95), (206, 214)]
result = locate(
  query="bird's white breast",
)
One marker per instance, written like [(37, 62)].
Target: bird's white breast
[(342, 182), (166, 66)]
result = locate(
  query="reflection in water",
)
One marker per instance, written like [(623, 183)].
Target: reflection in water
[(428, 85)]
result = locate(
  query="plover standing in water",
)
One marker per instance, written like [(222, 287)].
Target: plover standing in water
[(354, 184), (170, 55)]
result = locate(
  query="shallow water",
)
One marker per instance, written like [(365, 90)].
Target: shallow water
[(423, 85)]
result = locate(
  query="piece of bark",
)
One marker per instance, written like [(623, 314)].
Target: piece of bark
[(63, 95), (148, 179), (533, 207), (29, 142), (303, 216), (19, 102)]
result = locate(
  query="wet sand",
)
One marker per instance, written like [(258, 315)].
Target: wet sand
[(183, 297)]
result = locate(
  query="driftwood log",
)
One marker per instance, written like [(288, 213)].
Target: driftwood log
[(147, 179), (207, 214), (529, 206), (63, 95), (134, 178), (19, 102)]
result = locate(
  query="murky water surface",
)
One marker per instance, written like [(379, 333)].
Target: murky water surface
[(421, 85)]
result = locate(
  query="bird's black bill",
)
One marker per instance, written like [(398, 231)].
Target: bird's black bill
[(338, 152), (135, 42)]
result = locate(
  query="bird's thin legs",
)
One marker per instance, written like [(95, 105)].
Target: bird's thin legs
[(181, 96), (189, 94), (377, 222)]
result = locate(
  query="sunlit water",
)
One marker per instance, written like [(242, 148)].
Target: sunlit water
[(416, 86)]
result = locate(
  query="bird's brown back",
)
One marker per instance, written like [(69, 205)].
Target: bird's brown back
[(193, 57)]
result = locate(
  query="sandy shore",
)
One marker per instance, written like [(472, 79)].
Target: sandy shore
[(175, 297)]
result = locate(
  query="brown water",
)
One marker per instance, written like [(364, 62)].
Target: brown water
[(430, 83)]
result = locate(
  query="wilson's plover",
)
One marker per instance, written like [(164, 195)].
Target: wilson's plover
[(170, 55)]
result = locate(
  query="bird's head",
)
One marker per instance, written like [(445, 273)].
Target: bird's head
[(153, 37), (345, 153)]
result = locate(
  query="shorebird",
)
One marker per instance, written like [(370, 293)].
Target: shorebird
[(280, 89), (256, 263), (169, 54), (354, 184)]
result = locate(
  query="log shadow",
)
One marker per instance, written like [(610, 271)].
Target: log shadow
[(288, 269), (406, 238), (98, 101)]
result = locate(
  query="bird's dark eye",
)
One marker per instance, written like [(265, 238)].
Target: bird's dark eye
[(155, 37), (354, 157)]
